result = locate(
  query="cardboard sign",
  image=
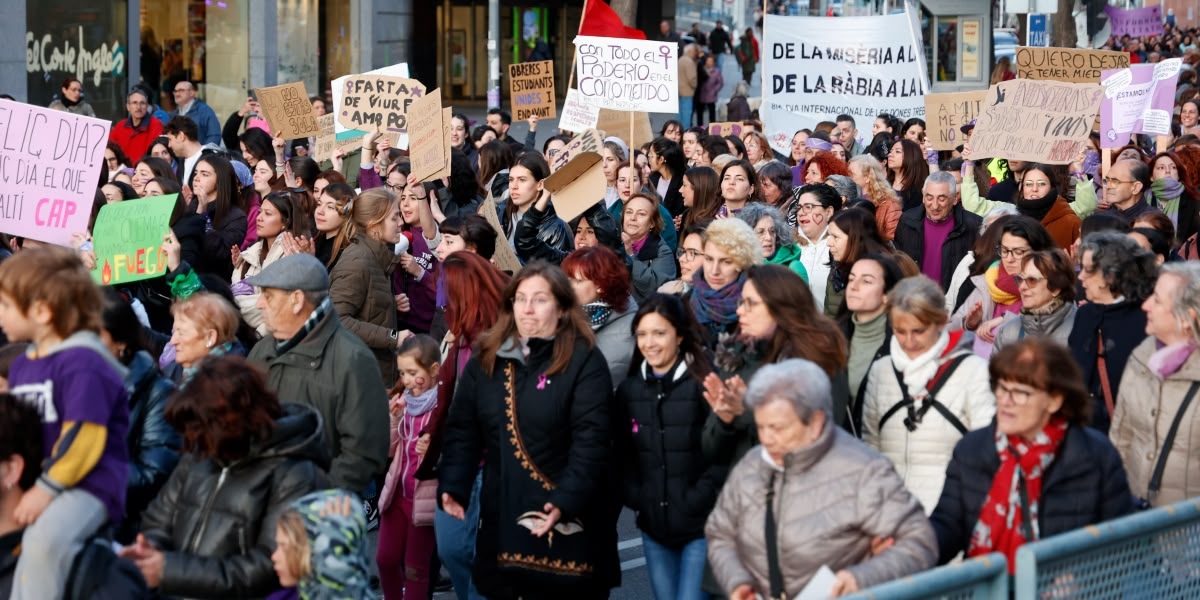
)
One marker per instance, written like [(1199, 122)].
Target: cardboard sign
[(531, 90), (725, 129), (49, 165), (447, 145), (575, 186), (1067, 64), (339, 84), (504, 257), (377, 103), (634, 75), (1040, 121), (288, 111), (616, 123), (945, 114), (127, 239), (589, 141), (577, 115), (1140, 99), (426, 149), (1135, 22)]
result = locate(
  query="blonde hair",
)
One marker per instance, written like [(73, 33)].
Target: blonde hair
[(299, 554), (370, 208), (737, 239), (209, 312), (878, 190)]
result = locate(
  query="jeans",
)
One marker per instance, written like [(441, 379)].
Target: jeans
[(685, 110), (720, 60), (456, 543), (676, 573), (49, 546)]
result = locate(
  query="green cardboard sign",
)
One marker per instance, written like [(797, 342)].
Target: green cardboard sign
[(127, 240)]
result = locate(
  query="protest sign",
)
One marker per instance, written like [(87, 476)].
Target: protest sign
[(504, 258), (49, 165), (426, 149), (574, 185), (328, 141), (576, 114), (377, 103), (447, 145), (725, 128), (615, 122), (288, 110), (339, 84), (632, 75), (1135, 22), (945, 114), (815, 69), (1067, 64), (531, 90), (588, 141), (127, 239), (1140, 99), (1040, 121)]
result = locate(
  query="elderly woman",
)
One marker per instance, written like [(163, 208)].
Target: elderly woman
[(548, 511), (1158, 393), (20, 466), (651, 262), (1116, 276), (211, 531), (1038, 463), (1047, 284), (827, 496), (929, 392), (602, 287), (205, 324), (729, 249), (778, 244)]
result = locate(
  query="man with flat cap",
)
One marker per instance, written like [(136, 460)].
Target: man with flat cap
[(312, 359)]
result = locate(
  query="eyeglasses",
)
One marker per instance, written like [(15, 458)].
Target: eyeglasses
[(807, 208), (1113, 181), (1012, 252), (690, 253), (1019, 396), (1026, 279), (395, 187), (747, 303)]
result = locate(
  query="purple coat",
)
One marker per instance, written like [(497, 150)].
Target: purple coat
[(712, 86)]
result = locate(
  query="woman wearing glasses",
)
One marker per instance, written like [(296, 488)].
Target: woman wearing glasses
[(70, 99), (690, 256), (1047, 285), (810, 214), (1038, 470), (996, 296), (1040, 199)]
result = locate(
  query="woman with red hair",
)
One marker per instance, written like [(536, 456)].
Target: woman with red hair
[(601, 283), (822, 165)]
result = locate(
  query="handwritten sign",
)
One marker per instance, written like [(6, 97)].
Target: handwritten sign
[(634, 75), (339, 85), (288, 110), (945, 114), (1040, 121), (589, 141), (49, 167), (725, 128), (616, 122), (504, 258), (447, 145), (127, 239), (1067, 64), (1135, 22), (576, 114), (531, 89), (1139, 99), (377, 103), (426, 150)]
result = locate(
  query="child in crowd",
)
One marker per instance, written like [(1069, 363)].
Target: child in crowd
[(48, 298), (321, 549), (406, 538)]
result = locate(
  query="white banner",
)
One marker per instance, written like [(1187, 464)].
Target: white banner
[(577, 116), (816, 68), (632, 75)]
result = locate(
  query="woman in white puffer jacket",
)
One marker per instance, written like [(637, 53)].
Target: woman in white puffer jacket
[(945, 390)]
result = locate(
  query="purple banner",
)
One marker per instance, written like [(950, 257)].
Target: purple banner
[(1139, 99), (1136, 22)]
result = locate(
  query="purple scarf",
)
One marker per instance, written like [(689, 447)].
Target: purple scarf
[(715, 307)]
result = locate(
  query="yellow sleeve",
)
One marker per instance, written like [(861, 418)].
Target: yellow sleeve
[(1085, 198), (75, 453)]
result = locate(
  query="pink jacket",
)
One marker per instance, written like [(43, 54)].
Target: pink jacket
[(406, 429)]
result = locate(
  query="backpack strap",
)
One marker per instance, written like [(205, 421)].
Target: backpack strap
[(939, 380), (1168, 442)]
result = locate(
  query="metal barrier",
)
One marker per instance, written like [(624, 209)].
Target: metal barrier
[(1153, 554), (982, 578)]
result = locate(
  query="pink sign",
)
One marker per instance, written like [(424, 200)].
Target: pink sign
[(49, 170)]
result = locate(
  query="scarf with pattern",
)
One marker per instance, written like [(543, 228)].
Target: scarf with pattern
[(318, 313), (598, 314)]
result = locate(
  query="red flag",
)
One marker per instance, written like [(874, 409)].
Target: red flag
[(600, 20)]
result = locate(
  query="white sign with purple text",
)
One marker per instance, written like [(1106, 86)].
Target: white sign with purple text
[(630, 75)]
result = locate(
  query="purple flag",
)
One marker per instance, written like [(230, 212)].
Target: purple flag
[(1136, 22), (1139, 99)]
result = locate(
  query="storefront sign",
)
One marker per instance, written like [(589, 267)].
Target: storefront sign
[(1139, 99), (970, 47), (576, 114), (1135, 22), (47, 55), (1040, 121), (377, 103), (633, 75), (49, 165), (945, 114), (128, 239), (815, 69), (1067, 64), (288, 110), (425, 142), (531, 90), (84, 40)]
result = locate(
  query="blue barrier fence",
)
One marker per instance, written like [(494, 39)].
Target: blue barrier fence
[(982, 578)]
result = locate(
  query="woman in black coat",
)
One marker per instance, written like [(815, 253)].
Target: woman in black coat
[(667, 159), (211, 531), (1042, 415), (666, 479), (533, 404)]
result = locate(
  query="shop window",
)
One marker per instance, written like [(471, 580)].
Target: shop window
[(207, 42), (84, 39)]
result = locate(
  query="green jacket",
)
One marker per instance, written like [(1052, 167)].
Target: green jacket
[(789, 256), (332, 371)]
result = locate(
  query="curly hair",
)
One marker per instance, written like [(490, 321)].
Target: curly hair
[(1127, 268), (828, 164), (877, 188), (737, 239), (225, 409), (600, 265), (753, 213)]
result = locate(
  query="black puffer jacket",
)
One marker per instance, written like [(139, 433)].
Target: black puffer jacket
[(667, 481), (1084, 485), (541, 234), (216, 523), (153, 444)]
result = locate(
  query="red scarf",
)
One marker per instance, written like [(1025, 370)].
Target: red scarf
[(1000, 521)]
